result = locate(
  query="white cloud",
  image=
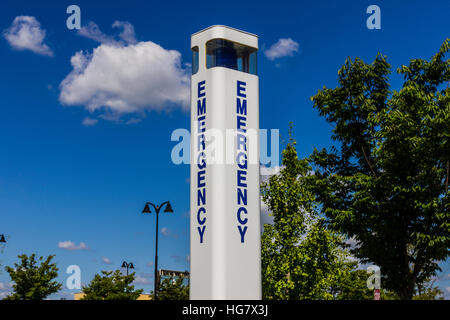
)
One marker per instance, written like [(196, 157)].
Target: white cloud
[(88, 122), (106, 260), (4, 286), (133, 121), (168, 233), (69, 245), (266, 172), (165, 232), (92, 31), (127, 36), (3, 295), (447, 293), (123, 77), (282, 48), (352, 242), (141, 279), (127, 33), (265, 216), (179, 259), (25, 33)]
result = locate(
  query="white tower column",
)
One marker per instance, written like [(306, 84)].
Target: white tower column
[(225, 253)]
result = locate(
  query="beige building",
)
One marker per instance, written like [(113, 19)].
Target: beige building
[(79, 295)]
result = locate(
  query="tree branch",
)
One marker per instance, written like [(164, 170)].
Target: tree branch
[(367, 160)]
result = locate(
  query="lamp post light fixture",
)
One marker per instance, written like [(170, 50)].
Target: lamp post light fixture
[(128, 265), (147, 210)]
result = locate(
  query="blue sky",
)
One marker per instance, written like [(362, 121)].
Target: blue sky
[(73, 169)]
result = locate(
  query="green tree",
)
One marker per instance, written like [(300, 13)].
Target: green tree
[(111, 286), (33, 278), (352, 285), (430, 293), (385, 182), (300, 257), (173, 288)]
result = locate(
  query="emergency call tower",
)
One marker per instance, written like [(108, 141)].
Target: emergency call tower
[(225, 255)]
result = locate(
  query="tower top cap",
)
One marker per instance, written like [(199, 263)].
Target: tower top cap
[(224, 32)]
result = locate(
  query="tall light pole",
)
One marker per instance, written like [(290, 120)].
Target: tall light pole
[(147, 210)]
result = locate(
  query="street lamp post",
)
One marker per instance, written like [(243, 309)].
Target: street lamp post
[(127, 265), (147, 210), (2, 242)]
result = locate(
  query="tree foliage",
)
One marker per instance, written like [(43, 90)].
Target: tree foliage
[(430, 293), (33, 278), (352, 285), (300, 257), (111, 286), (385, 182), (173, 288)]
